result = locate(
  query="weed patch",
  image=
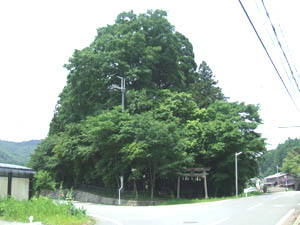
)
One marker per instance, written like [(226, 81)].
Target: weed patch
[(190, 201), (42, 209)]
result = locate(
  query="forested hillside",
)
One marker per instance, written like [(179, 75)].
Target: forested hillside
[(275, 158), (175, 114), (17, 152)]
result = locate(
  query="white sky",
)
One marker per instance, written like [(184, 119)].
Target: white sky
[(38, 36)]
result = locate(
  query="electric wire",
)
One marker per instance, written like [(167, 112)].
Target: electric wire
[(280, 58), (288, 50), (290, 127), (260, 12), (263, 45), (279, 43), (273, 42)]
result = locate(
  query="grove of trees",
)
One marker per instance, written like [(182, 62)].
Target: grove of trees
[(175, 116), (284, 158)]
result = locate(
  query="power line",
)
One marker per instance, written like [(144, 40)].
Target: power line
[(273, 42), (290, 127), (279, 43), (267, 53), (288, 50), (262, 12)]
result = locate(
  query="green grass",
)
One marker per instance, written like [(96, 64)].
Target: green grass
[(44, 210), (253, 193), (191, 201)]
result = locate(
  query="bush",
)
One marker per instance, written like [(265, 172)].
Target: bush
[(43, 180), (2, 207)]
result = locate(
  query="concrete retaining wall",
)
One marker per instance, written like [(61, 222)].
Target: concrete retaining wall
[(88, 197)]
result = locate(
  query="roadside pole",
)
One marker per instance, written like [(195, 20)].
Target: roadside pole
[(121, 178), (236, 174)]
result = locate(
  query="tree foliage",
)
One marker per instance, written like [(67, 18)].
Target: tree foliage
[(291, 163), (144, 49), (43, 181), (273, 159), (220, 131), (175, 116)]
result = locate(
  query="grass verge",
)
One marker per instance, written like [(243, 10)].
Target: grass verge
[(43, 210), (190, 201)]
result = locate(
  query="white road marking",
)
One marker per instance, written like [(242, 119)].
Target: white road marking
[(298, 204), (253, 207), (283, 219), (279, 206), (219, 221)]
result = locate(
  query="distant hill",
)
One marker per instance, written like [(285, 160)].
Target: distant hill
[(17, 152)]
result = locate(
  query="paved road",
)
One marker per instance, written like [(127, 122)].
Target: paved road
[(269, 209)]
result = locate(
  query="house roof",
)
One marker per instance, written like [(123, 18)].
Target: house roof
[(15, 170), (276, 175)]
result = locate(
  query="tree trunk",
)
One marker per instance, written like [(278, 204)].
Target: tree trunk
[(153, 183), (135, 189)]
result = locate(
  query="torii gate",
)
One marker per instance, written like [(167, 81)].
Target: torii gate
[(190, 172)]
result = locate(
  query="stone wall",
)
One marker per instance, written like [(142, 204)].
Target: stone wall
[(88, 197)]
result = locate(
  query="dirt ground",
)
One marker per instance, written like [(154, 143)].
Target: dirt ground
[(292, 219)]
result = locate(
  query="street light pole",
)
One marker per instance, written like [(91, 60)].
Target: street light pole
[(123, 89), (236, 174)]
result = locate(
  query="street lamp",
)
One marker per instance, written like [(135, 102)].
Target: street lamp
[(122, 88), (121, 178), (236, 173)]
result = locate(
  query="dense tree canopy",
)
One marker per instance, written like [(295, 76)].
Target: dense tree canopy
[(221, 130), (273, 159), (144, 49), (176, 116), (291, 163)]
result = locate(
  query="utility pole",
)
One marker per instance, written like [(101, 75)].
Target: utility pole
[(236, 174), (122, 88)]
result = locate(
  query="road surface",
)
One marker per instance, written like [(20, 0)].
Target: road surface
[(269, 209)]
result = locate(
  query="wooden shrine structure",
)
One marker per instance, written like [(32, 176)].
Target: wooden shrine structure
[(193, 173)]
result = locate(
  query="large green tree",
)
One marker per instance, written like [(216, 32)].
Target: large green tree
[(217, 134), (205, 91), (176, 116), (144, 49)]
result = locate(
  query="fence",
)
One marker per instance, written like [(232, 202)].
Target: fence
[(114, 193)]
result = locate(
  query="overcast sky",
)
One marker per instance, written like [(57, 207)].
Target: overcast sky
[(37, 38)]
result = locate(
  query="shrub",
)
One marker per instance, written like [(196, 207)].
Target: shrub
[(43, 180)]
